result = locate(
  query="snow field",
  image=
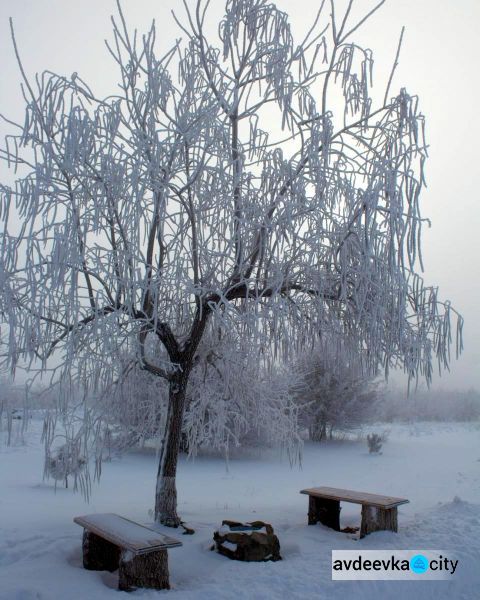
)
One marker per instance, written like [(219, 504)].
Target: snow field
[(436, 466)]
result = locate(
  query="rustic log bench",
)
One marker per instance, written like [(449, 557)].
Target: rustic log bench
[(111, 542), (379, 513)]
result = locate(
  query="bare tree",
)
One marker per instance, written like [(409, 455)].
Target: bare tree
[(259, 186)]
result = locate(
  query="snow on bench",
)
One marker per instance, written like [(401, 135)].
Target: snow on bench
[(378, 512), (125, 533), (111, 542)]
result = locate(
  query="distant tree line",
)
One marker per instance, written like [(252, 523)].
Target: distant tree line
[(431, 405)]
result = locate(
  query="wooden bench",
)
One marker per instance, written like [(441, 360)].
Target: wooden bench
[(378, 512), (111, 542)]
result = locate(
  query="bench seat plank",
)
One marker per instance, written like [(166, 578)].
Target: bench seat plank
[(126, 534), (356, 497)]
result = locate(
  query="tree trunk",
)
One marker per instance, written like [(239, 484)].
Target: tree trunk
[(318, 431), (166, 490)]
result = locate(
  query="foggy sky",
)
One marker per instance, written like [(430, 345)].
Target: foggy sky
[(439, 62)]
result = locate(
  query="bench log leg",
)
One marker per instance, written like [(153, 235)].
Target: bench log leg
[(99, 554), (324, 510), (378, 519), (143, 570)]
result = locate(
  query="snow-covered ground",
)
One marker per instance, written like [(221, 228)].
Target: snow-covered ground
[(436, 466)]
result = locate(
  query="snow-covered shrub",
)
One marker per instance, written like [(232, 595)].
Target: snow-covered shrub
[(65, 461), (374, 441), (336, 394)]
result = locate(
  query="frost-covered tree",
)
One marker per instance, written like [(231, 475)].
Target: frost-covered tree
[(132, 410), (233, 401), (14, 413), (335, 392), (241, 176)]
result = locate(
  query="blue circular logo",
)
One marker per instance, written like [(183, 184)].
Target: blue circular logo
[(419, 563)]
